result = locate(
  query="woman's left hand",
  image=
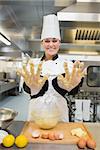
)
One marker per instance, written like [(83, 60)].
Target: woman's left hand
[(71, 80)]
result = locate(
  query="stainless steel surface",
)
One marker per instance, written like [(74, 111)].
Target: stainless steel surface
[(84, 34), (5, 86), (93, 76), (85, 87), (81, 11), (81, 33), (6, 117), (80, 24), (88, 0), (22, 22)]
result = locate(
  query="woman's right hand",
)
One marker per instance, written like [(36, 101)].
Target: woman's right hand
[(32, 78)]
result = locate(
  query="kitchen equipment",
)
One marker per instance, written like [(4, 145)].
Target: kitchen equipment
[(62, 127), (45, 111), (91, 82), (98, 111), (6, 117), (78, 111), (93, 76), (80, 23), (86, 109)]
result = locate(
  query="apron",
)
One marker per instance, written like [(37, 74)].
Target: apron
[(53, 68)]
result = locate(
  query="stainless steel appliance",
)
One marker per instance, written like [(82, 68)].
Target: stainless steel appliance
[(93, 76), (92, 79), (80, 25), (89, 94)]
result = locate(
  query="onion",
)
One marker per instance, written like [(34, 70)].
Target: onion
[(81, 143), (91, 143)]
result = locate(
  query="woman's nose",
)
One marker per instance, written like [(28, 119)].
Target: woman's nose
[(51, 43)]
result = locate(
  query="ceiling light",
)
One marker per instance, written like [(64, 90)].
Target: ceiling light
[(4, 39)]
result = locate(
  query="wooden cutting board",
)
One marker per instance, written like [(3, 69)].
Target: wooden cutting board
[(63, 127)]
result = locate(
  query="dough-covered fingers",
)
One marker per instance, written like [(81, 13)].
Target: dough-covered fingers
[(81, 65), (76, 64), (75, 76), (73, 72), (26, 73), (60, 78), (39, 70), (62, 81), (32, 68), (20, 73), (67, 74), (81, 71), (42, 80)]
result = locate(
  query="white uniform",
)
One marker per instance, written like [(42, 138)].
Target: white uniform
[(51, 93), (53, 68)]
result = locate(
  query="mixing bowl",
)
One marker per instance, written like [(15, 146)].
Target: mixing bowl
[(46, 122), (6, 117)]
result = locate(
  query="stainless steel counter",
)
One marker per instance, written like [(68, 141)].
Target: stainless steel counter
[(17, 126), (5, 86)]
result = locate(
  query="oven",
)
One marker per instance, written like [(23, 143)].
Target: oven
[(89, 95), (91, 82)]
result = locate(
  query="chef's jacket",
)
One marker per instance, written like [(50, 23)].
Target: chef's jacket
[(53, 68)]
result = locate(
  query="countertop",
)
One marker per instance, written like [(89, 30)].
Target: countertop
[(17, 126)]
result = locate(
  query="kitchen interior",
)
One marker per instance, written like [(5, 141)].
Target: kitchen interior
[(20, 27)]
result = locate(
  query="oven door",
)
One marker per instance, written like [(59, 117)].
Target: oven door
[(93, 76), (91, 81)]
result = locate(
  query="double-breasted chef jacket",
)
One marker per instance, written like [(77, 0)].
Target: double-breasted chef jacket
[(54, 68)]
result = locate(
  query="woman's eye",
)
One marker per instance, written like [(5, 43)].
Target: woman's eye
[(54, 41), (47, 41)]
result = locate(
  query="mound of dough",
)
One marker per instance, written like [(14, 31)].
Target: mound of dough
[(78, 132)]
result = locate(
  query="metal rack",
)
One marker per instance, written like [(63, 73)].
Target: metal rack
[(95, 100)]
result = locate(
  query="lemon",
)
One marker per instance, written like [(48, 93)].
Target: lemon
[(8, 140), (21, 141)]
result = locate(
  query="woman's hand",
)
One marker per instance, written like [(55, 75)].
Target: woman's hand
[(32, 78), (71, 80)]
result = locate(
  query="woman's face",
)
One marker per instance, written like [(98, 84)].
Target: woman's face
[(51, 46)]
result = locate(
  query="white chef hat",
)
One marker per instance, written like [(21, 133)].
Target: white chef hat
[(50, 27)]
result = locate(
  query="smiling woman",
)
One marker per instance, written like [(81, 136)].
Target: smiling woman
[(54, 77), (51, 47)]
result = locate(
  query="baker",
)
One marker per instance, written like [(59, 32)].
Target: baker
[(55, 77)]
